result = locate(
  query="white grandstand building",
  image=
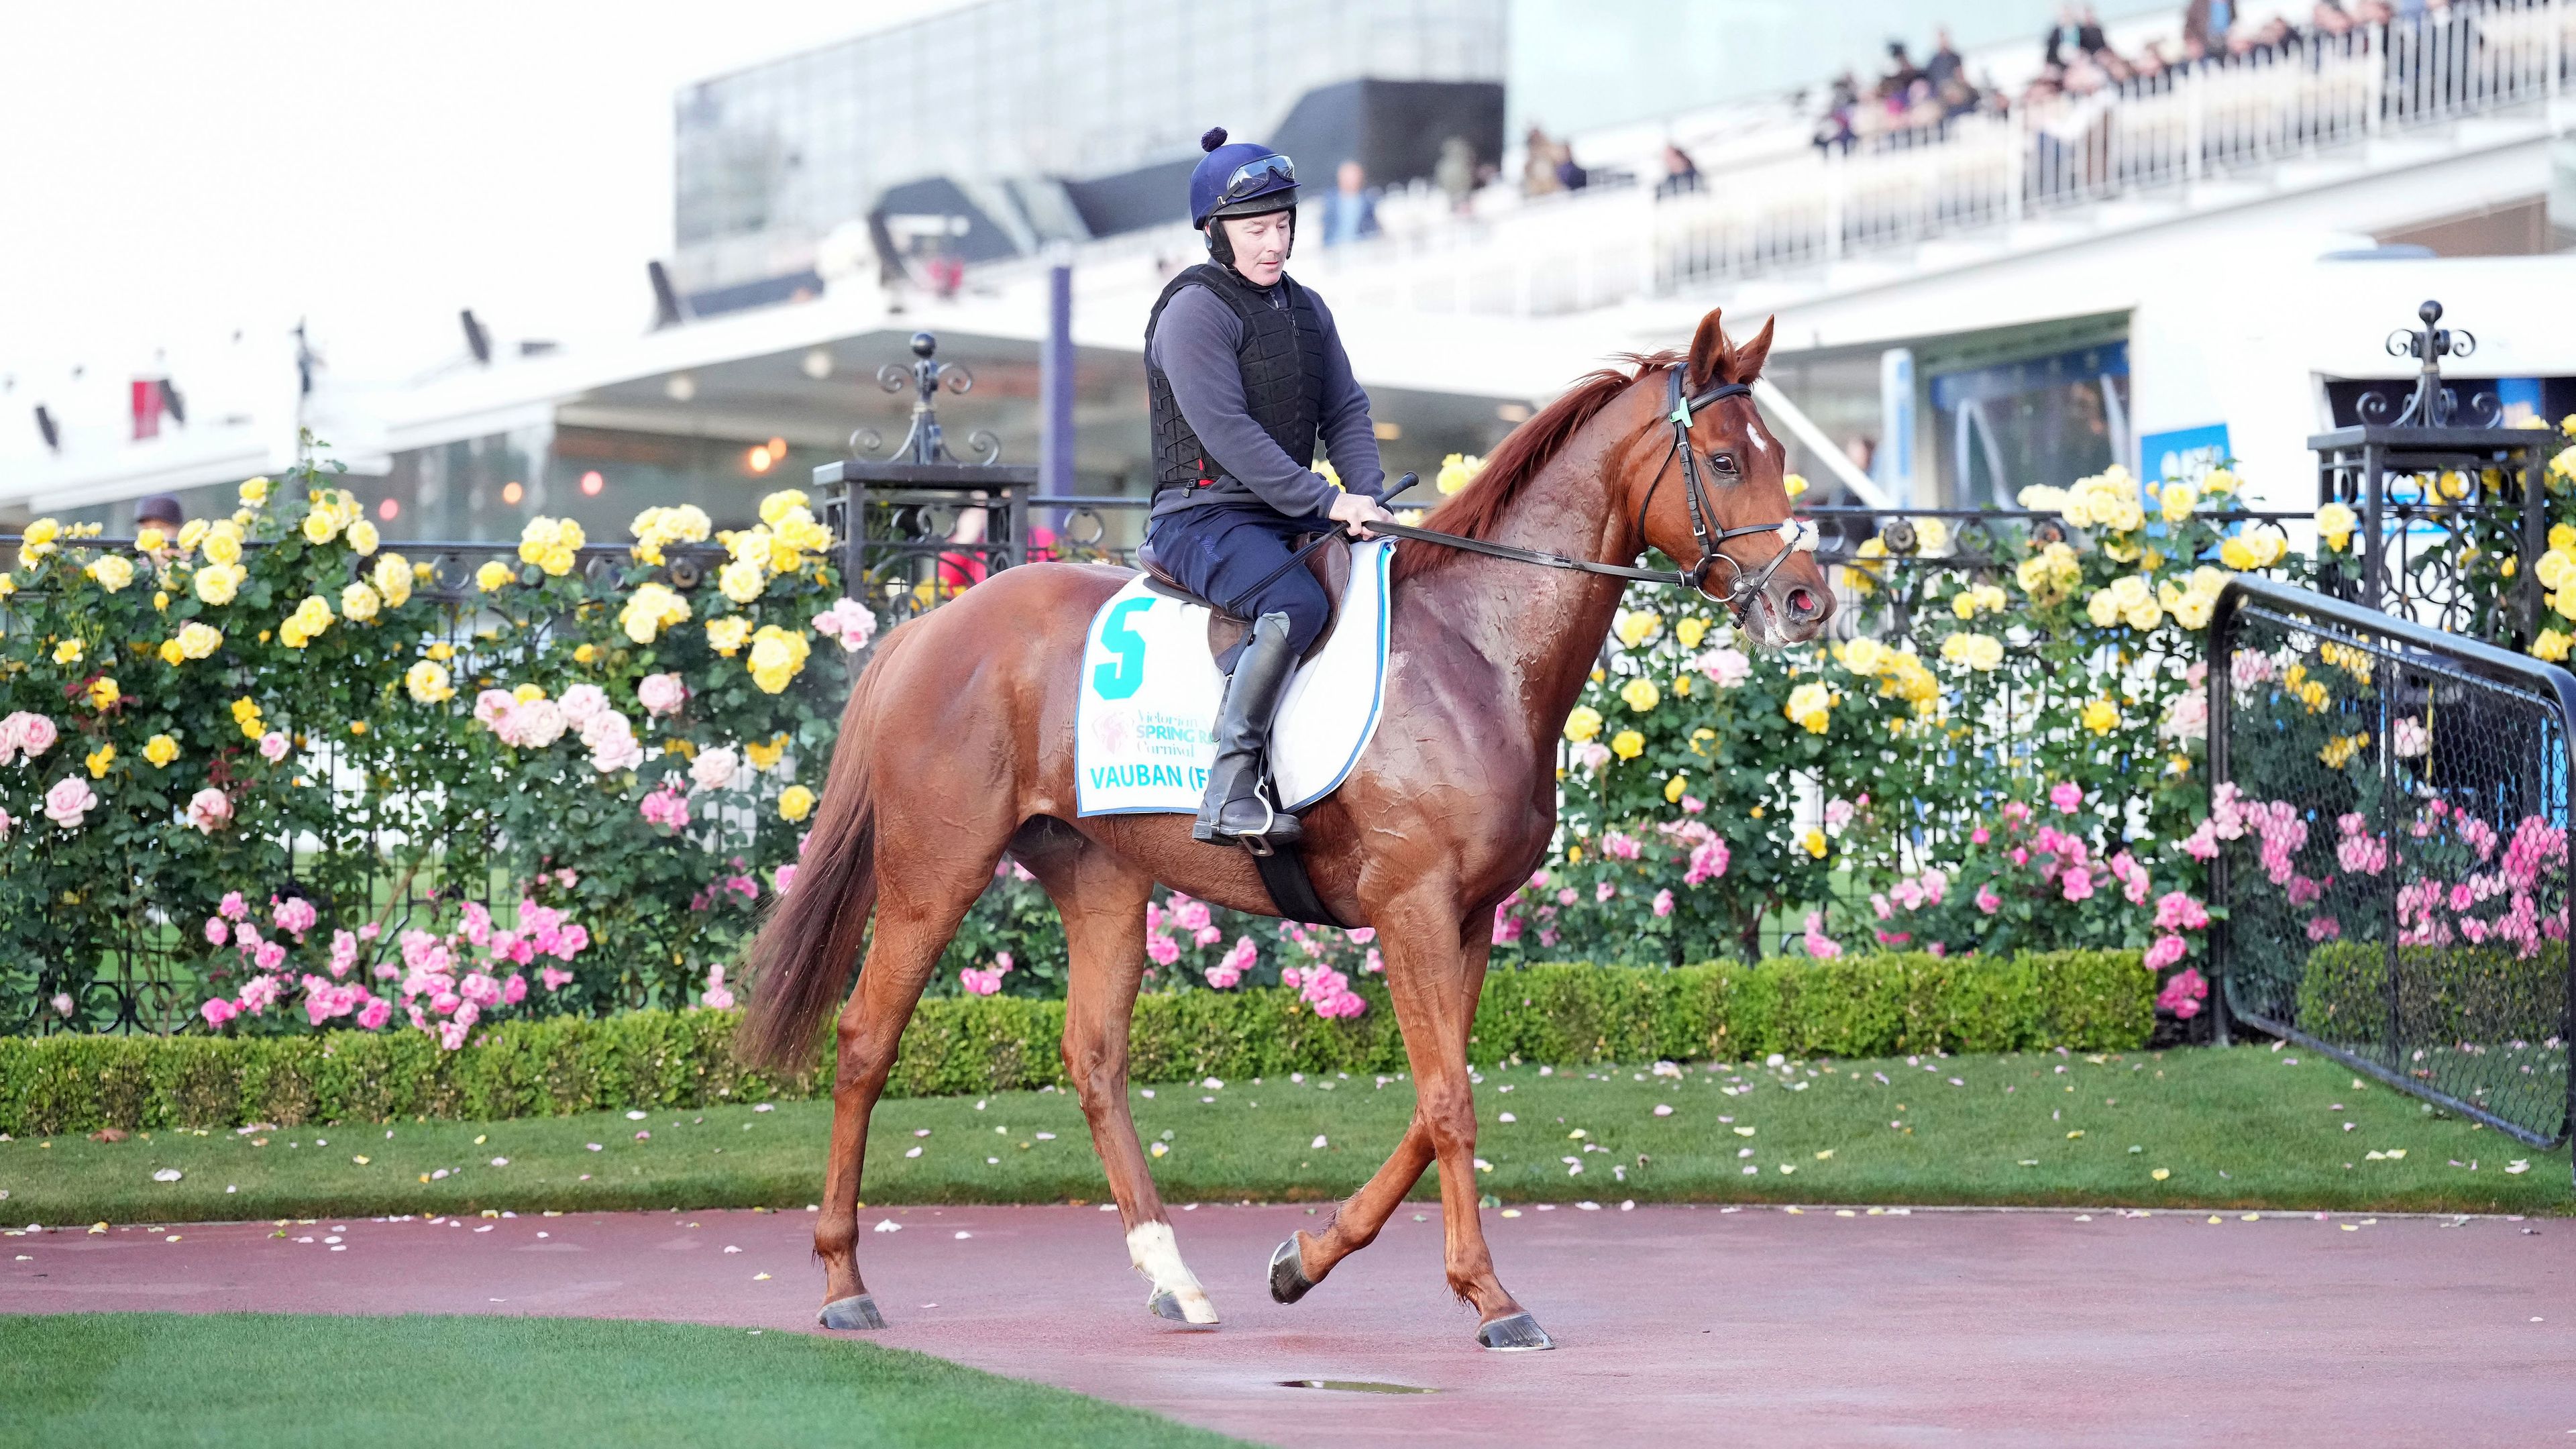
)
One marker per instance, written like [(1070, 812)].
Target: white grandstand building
[(2197, 266)]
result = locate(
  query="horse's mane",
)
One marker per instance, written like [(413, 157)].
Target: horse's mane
[(1478, 509)]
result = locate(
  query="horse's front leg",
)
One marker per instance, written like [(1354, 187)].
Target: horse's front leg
[(1305, 1259), (1103, 905), (1434, 980)]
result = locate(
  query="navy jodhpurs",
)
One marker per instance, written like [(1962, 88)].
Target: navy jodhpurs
[(1219, 552)]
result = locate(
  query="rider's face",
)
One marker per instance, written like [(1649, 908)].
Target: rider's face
[(1260, 244)]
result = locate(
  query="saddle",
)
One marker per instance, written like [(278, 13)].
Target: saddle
[(1330, 564), (1283, 870)]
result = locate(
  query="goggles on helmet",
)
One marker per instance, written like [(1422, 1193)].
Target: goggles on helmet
[(1255, 176)]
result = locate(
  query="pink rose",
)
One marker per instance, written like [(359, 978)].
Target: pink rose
[(274, 745), (2067, 796), (1663, 904), (1162, 948), (554, 978), (218, 1011), (979, 982), (2077, 883), (850, 622), (1987, 900), (375, 1013), (1724, 667), (661, 694), (210, 810), (269, 956), (2166, 951), (716, 997), (1507, 927), (2177, 911), (216, 931), (69, 801), (784, 880), (2183, 994), (1602, 891), (32, 734), (582, 703)]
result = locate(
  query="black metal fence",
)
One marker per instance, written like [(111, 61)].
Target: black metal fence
[(2390, 812)]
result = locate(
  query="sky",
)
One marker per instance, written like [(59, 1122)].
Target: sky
[(170, 173)]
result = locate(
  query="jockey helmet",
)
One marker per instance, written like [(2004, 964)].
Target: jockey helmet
[(1241, 179)]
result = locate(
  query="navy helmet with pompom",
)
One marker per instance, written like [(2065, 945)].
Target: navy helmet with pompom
[(1230, 181)]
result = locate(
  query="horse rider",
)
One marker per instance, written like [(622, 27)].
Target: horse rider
[(1244, 372)]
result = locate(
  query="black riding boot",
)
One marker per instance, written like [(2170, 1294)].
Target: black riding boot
[(1234, 809)]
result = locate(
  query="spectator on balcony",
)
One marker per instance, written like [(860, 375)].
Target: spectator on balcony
[(1350, 211), (1538, 170), (1570, 176), (2206, 23), (1680, 173), (1455, 174), (1901, 74), (2064, 39), (1944, 65)]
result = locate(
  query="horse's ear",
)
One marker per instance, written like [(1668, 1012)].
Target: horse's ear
[(1746, 363), (1708, 354)]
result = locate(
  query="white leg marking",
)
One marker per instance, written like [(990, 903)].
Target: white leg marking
[(1157, 1255)]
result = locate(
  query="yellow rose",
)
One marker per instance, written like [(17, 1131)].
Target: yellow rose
[(742, 580), (113, 572), (494, 576), (441, 650), (776, 656), (216, 583), (2192, 611), (320, 527), (557, 561), (428, 683), (38, 539), (1674, 787), (1810, 706), (1690, 632), (2101, 716), (1583, 724), (2335, 523), (170, 652), (292, 633), (2564, 599), (1931, 535), (245, 709), (1627, 744), (314, 613), (1793, 484), (586, 654), (223, 544), (2178, 500), (362, 537), (2552, 645), (728, 634), (197, 640), (795, 803), (775, 506), (1814, 843), (528, 693), (2237, 554), (68, 652), (2103, 609), (160, 750), (1457, 471), (254, 492), (2553, 567), (103, 694), (393, 580), (99, 760), (765, 757), (2146, 615), (1637, 627), (359, 602), (1864, 656), (1641, 695), (2219, 483), (649, 610), (192, 533)]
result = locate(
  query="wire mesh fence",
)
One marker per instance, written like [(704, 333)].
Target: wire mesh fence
[(2389, 832)]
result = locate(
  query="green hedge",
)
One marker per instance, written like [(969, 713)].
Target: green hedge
[(1857, 1006), (2445, 993)]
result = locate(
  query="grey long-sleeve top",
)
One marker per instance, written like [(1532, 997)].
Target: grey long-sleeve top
[(1194, 347)]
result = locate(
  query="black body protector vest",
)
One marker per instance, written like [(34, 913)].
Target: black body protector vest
[(1282, 357)]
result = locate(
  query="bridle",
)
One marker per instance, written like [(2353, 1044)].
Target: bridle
[(1795, 535)]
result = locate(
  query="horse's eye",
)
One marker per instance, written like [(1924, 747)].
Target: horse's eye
[(1723, 463)]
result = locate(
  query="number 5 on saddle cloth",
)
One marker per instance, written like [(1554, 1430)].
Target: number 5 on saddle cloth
[(1150, 689)]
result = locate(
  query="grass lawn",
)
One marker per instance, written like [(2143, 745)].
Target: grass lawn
[(290, 1380), (2243, 1127)]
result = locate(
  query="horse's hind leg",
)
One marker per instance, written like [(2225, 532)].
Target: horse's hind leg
[(919, 904), (1102, 900), (1304, 1260)]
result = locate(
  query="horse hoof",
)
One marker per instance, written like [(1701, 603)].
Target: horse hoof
[(1288, 1280), (1515, 1333), (1167, 1304), (859, 1312)]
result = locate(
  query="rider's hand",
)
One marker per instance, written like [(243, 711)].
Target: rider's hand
[(1356, 511)]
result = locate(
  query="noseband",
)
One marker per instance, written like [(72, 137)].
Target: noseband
[(1794, 534)]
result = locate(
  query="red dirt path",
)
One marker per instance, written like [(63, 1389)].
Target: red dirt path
[(1677, 1325)]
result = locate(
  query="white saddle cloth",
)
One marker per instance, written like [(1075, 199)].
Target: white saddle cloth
[(1150, 689)]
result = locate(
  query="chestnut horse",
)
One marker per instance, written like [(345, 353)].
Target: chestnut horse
[(958, 745)]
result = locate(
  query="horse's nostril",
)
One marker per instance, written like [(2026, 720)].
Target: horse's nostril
[(1802, 603)]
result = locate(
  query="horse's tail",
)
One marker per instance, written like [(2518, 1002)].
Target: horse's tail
[(802, 959)]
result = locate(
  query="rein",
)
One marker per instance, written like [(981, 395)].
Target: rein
[(1795, 535)]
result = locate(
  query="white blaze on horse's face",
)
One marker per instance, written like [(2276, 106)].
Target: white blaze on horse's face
[(1157, 1254)]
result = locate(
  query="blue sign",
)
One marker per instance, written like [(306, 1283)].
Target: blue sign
[(2188, 454)]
